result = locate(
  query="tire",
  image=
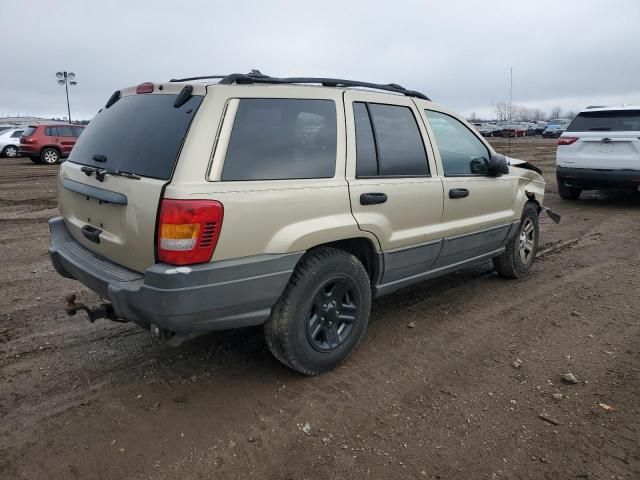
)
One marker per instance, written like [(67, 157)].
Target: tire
[(10, 151), (322, 314), (521, 250), (568, 193), (49, 156)]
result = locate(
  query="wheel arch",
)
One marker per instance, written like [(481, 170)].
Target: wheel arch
[(364, 250)]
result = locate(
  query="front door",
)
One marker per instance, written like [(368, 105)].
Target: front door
[(393, 193), (478, 207)]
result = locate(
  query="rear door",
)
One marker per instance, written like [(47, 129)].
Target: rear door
[(140, 134), (478, 207), (65, 139), (603, 140), (393, 185)]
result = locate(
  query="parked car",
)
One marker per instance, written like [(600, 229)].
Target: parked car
[(9, 142), (539, 127), (513, 130), (48, 143), (599, 150), (489, 130), (553, 131), (309, 202)]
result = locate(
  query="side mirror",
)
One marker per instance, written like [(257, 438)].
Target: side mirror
[(498, 164)]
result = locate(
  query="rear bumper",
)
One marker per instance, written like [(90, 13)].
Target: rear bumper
[(587, 178), (200, 298), (27, 151)]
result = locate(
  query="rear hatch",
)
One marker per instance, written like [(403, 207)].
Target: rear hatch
[(111, 187), (604, 139)]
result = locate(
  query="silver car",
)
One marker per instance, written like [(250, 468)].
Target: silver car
[(10, 141)]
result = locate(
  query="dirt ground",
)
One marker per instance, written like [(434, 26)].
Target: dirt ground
[(460, 396)]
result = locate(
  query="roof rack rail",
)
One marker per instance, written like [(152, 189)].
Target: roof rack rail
[(255, 76), (188, 79)]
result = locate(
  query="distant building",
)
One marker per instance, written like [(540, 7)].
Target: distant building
[(22, 121)]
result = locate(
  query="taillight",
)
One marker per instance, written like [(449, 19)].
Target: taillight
[(567, 140), (188, 230), (146, 87)]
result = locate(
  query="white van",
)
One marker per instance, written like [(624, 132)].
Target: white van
[(600, 149)]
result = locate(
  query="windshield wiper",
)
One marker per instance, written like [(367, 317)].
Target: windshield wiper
[(101, 172)]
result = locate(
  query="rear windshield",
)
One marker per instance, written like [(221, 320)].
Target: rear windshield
[(609, 121), (140, 134), (29, 131)]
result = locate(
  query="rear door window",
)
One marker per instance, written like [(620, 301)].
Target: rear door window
[(366, 157), (140, 134), (279, 139), (400, 148), (608, 121), (64, 131), (16, 134)]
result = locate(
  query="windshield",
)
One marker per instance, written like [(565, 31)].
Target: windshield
[(607, 121), (140, 134)]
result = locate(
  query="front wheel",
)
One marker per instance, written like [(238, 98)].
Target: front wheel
[(322, 314), (521, 250)]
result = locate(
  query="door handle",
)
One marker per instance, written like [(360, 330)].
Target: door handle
[(373, 198), (458, 193), (91, 233)]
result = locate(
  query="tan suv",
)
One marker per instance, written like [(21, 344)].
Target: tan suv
[(192, 206)]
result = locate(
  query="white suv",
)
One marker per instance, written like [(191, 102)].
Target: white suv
[(600, 149)]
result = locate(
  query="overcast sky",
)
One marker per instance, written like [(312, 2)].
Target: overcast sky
[(571, 53)]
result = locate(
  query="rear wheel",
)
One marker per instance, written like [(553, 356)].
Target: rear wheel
[(521, 250), (10, 151), (322, 314), (568, 193), (49, 156)]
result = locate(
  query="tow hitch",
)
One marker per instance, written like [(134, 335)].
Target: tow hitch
[(105, 310)]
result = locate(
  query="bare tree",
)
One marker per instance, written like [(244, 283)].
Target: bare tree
[(501, 111), (556, 112), (571, 114)]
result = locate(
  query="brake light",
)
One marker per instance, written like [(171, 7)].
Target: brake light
[(188, 230), (146, 87), (567, 140)]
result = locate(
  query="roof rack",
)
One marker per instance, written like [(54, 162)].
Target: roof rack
[(255, 76)]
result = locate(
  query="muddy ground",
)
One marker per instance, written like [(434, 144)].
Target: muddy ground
[(441, 400)]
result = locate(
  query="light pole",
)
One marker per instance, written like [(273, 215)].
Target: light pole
[(66, 79)]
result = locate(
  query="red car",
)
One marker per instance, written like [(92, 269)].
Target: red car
[(48, 143)]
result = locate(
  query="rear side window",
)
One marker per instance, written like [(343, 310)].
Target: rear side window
[(64, 131), (388, 141), (77, 131), (278, 139), (140, 134), (609, 121), (51, 131)]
